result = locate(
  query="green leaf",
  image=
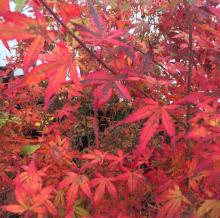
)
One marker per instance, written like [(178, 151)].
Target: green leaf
[(4, 117), (191, 1), (20, 5), (81, 211), (29, 149)]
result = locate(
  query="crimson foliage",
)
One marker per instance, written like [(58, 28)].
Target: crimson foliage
[(116, 113)]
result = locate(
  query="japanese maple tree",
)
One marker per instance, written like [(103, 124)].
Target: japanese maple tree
[(116, 112)]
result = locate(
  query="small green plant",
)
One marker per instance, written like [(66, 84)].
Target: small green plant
[(6, 117)]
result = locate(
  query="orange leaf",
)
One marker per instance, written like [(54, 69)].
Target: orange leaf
[(211, 206), (174, 199), (14, 208), (33, 51), (55, 83), (4, 5)]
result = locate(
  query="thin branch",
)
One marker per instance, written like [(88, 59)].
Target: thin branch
[(189, 74), (75, 37), (81, 43), (90, 51), (190, 64)]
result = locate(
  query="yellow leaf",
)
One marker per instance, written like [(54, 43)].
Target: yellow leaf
[(212, 206), (174, 199)]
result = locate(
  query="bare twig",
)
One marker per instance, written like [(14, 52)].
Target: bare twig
[(189, 73)]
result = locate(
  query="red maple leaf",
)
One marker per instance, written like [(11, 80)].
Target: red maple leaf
[(102, 184), (100, 35), (153, 112), (174, 200), (31, 30), (133, 177), (59, 66), (96, 157), (119, 159), (106, 84), (75, 182), (38, 203)]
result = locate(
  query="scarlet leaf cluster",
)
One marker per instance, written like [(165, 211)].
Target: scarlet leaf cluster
[(116, 112)]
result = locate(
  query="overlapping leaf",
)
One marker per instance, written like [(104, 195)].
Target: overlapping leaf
[(210, 206), (75, 182), (39, 203), (153, 112), (100, 35), (107, 83), (59, 65), (102, 184), (95, 158), (20, 27), (174, 200), (119, 159), (133, 177)]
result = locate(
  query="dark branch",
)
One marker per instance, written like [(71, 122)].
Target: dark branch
[(189, 74), (75, 37)]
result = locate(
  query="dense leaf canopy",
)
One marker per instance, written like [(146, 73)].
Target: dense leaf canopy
[(116, 112)]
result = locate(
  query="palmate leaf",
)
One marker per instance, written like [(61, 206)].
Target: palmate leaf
[(14, 208), (174, 200), (33, 52), (17, 26), (138, 115), (39, 203), (31, 177), (39, 73), (102, 94), (133, 177), (107, 83), (211, 207), (119, 159), (59, 65), (121, 90), (67, 11), (148, 131), (21, 27), (95, 157), (67, 110), (96, 19), (101, 35), (168, 123), (75, 183), (103, 184), (153, 112), (95, 38)]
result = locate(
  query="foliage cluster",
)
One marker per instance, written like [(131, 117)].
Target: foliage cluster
[(117, 113)]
